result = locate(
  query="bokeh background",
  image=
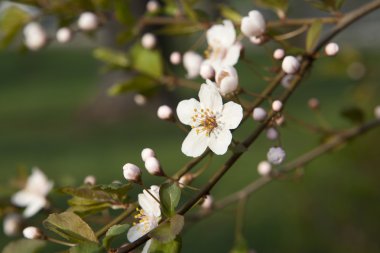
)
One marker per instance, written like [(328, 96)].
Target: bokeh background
[(55, 114)]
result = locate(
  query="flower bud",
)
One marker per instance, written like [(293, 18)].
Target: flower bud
[(88, 21), (377, 112), (146, 153), (139, 99), (35, 36), (286, 81), (185, 180), (264, 168), (132, 173), (257, 40), (175, 58), (90, 180), (32, 233), (278, 54), (153, 166), (259, 114), (227, 80), (164, 112), (253, 24), (277, 105), (63, 35), (331, 49), (148, 41), (192, 63), (207, 202), (207, 71), (290, 65), (313, 103), (280, 120), (12, 224), (272, 134), (152, 6), (276, 155)]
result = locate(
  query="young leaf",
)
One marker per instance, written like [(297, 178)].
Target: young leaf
[(70, 226), (113, 232), (313, 35), (139, 83), (112, 57), (24, 246), (173, 246), (87, 247), (147, 61), (229, 13), (274, 4), (240, 245), (353, 114), (170, 195), (168, 231)]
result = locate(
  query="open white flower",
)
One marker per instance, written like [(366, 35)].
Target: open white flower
[(33, 196), (148, 217), (210, 120), (224, 49)]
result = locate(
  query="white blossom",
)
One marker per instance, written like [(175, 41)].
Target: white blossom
[(264, 168), (33, 196), (278, 54), (290, 64), (146, 153), (132, 172), (148, 41), (32, 233), (331, 49), (207, 71), (12, 224), (277, 105), (227, 80), (207, 202), (148, 217), (377, 112), (210, 120), (88, 21), (272, 133), (164, 112), (192, 62), (152, 6), (35, 36), (276, 155), (259, 114), (286, 81), (90, 180), (175, 58), (153, 166), (140, 99), (64, 35), (253, 24)]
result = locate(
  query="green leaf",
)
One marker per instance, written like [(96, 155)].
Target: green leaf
[(123, 11), (173, 246), (87, 248), (229, 13), (113, 232), (180, 29), (70, 226), (313, 35), (170, 195), (240, 245), (146, 61), (353, 114), (168, 230), (274, 4), (112, 57), (141, 84), (24, 246), (11, 21), (327, 5)]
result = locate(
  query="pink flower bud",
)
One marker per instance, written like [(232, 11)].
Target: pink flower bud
[(148, 41), (90, 180), (286, 81), (164, 112), (12, 224), (264, 168), (132, 173), (280, 120), (331, 49), (32, 233), (153, 166), (88, 21), (152, 6), (272, 133), (277, 105), (185, 180), (207, 71), (192, 63), (139, 99), (227, 80), (290, 65), (175, 58), (146, 153), (313, 103), (276, 155), (63, 35), (278, 54), (35, 36), (377, 112), (253, 24), (207, 202), (259, 114)]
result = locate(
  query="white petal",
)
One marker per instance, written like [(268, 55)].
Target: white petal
[(38, 183), (195, 144), (150, 206), (34, 207), (185, 110), (23, 198), (232, 115), (219, 141), (210, 98), (147, 246), (232, 55), (136, 232)]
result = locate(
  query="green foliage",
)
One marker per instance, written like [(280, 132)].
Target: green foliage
[(274, 4), (240, 245), (112, 57), (229, 13), (123, 12), (170, 195), (354, 114), (86, 247), (313, 34), (173, 246), (71, 227), (145, 61), (140, 83), (24, 246), (181, 29), (327, 5), (167, 231), (12, 21), (113, 232)]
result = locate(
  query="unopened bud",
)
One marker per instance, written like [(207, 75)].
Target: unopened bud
[(88, 21), (253, 24), (259, 114), (264, 168), (185, 180), (331, 49), (146, 153), (257, 40), (279, 53), (139, 99), (377, 112), (32, 233), (192, 63), (277, 105), (313, 103), (132, 173), (207, 71), (148, 41), (290, 65), (12, 224), (286, 81), (227, 80), (272, 134), (153, 166), (280, 120), (276, 155), (175, 58), (164, 112), (207, 203), (64, 35), (152, 6), (90, 180), (35, 36)]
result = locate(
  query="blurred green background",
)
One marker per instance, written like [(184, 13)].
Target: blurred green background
[(54, 114)]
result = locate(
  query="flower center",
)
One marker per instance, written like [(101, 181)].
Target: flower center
[(142, 218), (206, 120)]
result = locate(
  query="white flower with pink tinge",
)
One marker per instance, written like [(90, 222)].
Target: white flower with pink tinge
[(148, 217), (211, 121)]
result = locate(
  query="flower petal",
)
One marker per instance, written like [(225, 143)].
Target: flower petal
[(34, 207), (185, 111), (221, 35), (232, 115), (232, 55), (210, 98), (150, 206), (38, 183), (136, 232), (220, 140), (23, 198), (195, 143), (147, 246)]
